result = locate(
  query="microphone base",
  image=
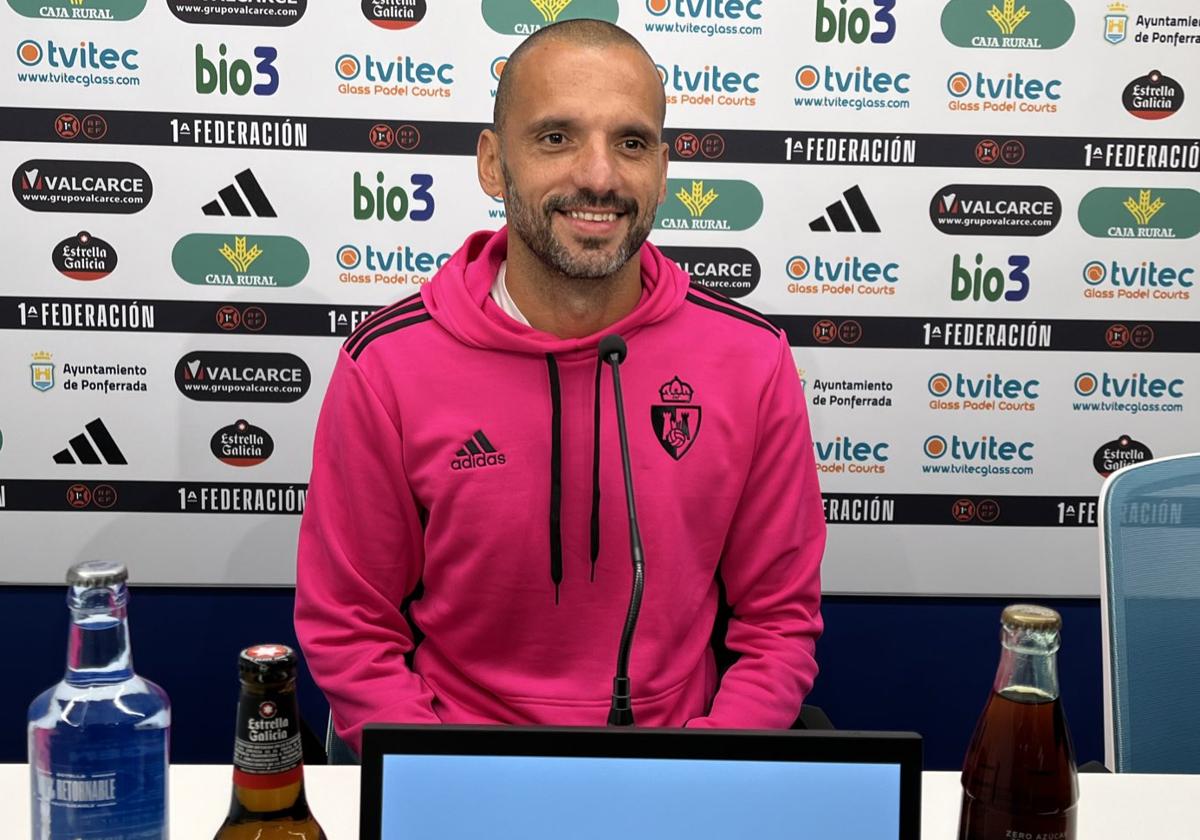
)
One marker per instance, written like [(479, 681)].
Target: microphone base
[(620, 717)]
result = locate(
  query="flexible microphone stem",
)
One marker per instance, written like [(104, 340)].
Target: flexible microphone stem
[(613, 350)]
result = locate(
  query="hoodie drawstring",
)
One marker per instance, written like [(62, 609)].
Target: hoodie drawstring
[(556, 562)]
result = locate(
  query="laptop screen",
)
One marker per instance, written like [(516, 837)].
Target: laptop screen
[(584, 798), (579, 784)]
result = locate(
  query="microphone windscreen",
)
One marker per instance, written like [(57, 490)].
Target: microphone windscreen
[(612, 345)]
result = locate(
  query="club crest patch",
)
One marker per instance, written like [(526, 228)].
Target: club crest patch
[(677, 422)]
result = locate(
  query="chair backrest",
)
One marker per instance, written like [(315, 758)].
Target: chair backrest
[(336, 750), (1150, 612)]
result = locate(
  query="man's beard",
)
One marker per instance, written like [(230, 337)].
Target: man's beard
[(535, 227)]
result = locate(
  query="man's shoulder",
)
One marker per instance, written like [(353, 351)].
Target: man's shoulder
[(380, 330), (724, 316)]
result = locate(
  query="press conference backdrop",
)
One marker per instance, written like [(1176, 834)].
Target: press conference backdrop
[(974, 220)]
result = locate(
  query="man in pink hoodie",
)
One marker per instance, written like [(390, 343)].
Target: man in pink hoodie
[(467, 484)]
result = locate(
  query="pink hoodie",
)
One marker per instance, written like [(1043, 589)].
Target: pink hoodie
[(470, 466)]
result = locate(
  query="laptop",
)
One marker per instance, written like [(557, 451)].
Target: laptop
[(553, 783)]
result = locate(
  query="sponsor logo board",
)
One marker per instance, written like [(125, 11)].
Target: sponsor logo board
[(238, 12), (89, 10), (816, 274), (524, 17), (393, 76), (366, 264), (1008, 24), (1118, 453), (1134, 213), (995, 210), (212, 376), (242, 444), (1145, 280), (84, 257), (1153, 96), (232, 259), (82, 186), (709, 205), (733, 272)]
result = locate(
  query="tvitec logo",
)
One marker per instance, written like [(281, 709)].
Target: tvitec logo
[(224, 75), (847, 276), (709, 205), (988, 282), (708, 85), (983, 456), (1132, 394), (83, 63), (856, 88), (1146, 280), (1007, 26), (705, 17), (1009, 93), (856, 22), (365, 265), (843, 454), (394, 203), (959, 392), (398, 76)]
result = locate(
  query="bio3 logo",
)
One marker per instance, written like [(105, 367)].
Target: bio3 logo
[(990, 283), (394, 203), (224, 75), (845, 454), (842, 21)]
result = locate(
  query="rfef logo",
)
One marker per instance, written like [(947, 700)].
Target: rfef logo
[(1007, 93), (856, 22), (82, 186), (239, 12), (733, 272), (989, 283), (211, 376), (845, 276), (995, 210), (1006, 26), (845, 454), (83, 63), (1157, 213), (84, 257), (367, 265), (93, 10), (393, 76), (524, 17), (1147, 280), (1153, 96), (394, 203), (394, 14), (714, 205), (958, 391), (241, 260), (1119, 453), (241, 444), (222, 74)]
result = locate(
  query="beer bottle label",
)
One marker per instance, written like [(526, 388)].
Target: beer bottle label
[(267, 751)]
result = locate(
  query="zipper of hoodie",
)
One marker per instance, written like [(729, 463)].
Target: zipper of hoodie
[(556, 558)]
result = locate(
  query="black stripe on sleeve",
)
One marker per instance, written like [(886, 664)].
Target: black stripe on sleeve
[(732, 313), (389, 328)]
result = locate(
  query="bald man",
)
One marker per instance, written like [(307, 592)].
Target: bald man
[(464, 554)]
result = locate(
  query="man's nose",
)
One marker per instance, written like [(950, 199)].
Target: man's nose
[(595, 167)]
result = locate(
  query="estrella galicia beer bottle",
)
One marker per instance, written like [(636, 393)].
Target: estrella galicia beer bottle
[(268, 772), (1019, 780)]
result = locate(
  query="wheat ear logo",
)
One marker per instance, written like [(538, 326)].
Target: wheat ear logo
[(238, 256), (1009, 19), (1143, 210), (550, 9), (698, 200)]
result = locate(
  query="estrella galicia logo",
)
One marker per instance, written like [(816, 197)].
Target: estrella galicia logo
[(676, 423), (1118, 453), (394, 14), (1153, 96), (82, 186), (524, 17), (240, 13), (212, 376), (242, 445), (734, 272), (856, 24), (230, 259), (988, 282), (94, 10), (1005, 25), (84, 257), (995, 210), (709, 205), (1132, 213), (221, 74)]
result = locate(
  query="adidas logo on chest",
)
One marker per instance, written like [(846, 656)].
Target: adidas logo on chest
[(477, 453)]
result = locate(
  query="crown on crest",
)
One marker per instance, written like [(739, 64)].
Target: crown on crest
[(42, 356), (1117, 7), (676, 391)]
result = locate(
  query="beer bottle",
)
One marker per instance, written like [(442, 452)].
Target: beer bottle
[(268, 771), (1019, 774)]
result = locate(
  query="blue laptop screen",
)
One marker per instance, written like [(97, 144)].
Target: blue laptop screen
[(583, 798)]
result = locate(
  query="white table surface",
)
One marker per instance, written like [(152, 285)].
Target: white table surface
[(1111, 807)]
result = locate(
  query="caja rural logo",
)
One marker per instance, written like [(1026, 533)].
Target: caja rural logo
[(845, 276), (709, 85), (1156, 213), (91, 10), (233, 259), (1008, 26), (524, 17), (713, 205), (399, 76), (958, 391), (1145, 280), (367, 265)]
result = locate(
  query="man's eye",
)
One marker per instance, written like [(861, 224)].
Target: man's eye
[(632, 144), (555, 138)]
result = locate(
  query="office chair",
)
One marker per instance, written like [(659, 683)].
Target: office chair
[(1150, 616), (336, 750)]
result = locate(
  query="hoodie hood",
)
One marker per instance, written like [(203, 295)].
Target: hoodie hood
[(459, 300)]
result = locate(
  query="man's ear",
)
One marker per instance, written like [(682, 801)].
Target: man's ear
[(662, 189), (487, 162)]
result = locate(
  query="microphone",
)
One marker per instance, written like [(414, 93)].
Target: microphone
[(613, 351)]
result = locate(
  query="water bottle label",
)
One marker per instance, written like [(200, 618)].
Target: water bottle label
[(266, 751)]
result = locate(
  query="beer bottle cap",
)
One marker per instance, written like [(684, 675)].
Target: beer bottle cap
[(1030, 617), (267, 663), (97, 574)]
